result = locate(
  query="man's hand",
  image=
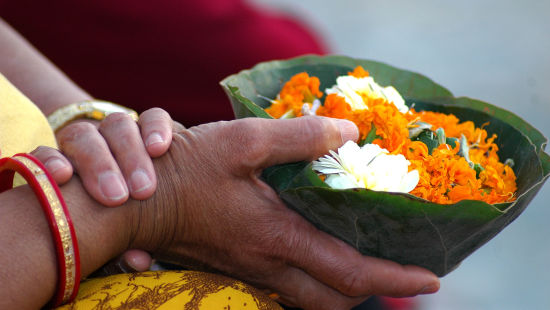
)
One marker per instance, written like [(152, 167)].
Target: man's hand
[(212, 211)]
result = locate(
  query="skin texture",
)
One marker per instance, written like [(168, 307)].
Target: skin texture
[(210, 211), (113, 174), (88, 150), (27, 246), (233, 222), (110, 178), (114, 158)]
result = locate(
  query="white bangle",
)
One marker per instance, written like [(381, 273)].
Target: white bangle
[(91, 109)]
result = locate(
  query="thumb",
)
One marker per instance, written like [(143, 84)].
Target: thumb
[(274, 142)]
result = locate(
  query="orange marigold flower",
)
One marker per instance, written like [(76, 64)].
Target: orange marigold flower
[(299, 90), (391, 126), (445, 177), (359, 72), (334, 106), (277, 109)]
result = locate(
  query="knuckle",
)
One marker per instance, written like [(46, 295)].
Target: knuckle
[(74, 132), (318, 132), (115, 119), (120, 132), (155, 116), (155, 110), (45, 151), (355, 283), (287, 242), (249, 141), (313, 124), (83, 144)]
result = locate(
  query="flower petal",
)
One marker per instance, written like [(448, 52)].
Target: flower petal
[(343, 181)]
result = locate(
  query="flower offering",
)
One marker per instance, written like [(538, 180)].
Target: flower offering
[(432, 178), (448, 160)]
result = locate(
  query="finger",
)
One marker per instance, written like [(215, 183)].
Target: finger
[(337, 264), (268, 142), (129, 262), (123, 137), (156, 131), (297, 289), (93, 161), (137, 260), (58, 166)]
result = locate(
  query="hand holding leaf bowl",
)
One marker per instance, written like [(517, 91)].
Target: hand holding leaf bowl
[(432, 177)]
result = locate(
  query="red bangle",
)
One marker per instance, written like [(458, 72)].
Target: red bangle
[(55, 209)]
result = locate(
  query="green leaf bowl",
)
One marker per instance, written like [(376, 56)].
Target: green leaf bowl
[(398, 227)]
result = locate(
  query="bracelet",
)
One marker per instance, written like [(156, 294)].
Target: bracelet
[(59, 221), (91, 109)]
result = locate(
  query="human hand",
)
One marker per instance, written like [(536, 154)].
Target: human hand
[(114, 158), (212, 211), (61, 170), (93, 150)]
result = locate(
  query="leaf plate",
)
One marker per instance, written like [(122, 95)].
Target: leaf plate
[(399, 227)]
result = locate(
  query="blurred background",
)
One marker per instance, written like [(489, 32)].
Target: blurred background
[(496, 51)]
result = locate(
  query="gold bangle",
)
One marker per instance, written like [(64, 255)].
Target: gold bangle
[(90, 109)]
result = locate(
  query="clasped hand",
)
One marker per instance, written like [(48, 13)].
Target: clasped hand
[(219, 214), (212, 211)]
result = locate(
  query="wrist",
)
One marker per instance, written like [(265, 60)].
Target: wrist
[(160, 217), (51, 102), (103, 233), (91, 109)]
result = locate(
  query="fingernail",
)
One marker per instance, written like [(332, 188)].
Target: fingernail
[(154, 138), (139, 181), (125, 266), (429, 289), (348, 130), (111, 186), (55, 164)]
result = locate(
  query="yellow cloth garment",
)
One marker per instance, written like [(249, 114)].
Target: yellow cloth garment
[(23, 127), (166, 290)]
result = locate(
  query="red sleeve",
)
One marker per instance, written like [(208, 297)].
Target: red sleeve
[(167, 53)]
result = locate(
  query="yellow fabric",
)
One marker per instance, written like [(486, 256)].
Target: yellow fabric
[(23, 127), (166, 290)]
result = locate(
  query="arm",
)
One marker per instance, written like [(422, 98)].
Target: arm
[(211, 208), (50, 89), (34, 75), (28, 277)]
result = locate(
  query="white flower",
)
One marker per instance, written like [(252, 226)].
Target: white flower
[(351, 88), (392, 95), (368, 167)]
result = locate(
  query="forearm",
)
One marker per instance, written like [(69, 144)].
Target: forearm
[(28, 274), (35, 75)]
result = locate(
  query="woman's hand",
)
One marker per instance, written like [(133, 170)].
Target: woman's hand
[(212, 211), (114, 158), (93, 150)]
